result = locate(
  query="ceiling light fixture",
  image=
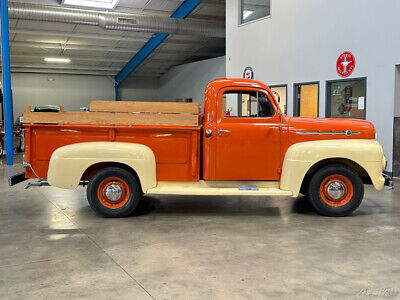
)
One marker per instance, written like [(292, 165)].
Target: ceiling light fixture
[(107, 4), (247, 13), (57, 60)]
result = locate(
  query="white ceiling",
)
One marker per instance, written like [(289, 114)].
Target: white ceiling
[(94, 50)]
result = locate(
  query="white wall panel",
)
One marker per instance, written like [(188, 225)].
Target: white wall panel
[(72, 91), (302, 40)]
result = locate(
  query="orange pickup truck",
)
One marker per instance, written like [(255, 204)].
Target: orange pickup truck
[(241, 145)]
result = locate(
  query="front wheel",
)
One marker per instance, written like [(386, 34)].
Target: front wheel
[(335, 190), (113, 192)]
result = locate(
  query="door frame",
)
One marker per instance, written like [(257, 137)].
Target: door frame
[(296, 104), (285, 86), (328, 109), (222, 120)]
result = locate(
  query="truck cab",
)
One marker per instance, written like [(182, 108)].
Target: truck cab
[(242, 132)]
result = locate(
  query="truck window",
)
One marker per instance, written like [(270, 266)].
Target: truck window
[(246, 104)]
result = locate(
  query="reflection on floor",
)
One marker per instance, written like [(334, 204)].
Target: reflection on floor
[(181, 247)]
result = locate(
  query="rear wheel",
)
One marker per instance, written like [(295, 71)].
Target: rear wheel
[(335, 190), (113, 192)]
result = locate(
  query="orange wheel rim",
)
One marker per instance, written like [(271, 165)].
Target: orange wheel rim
[(336, 190), (113, 192)]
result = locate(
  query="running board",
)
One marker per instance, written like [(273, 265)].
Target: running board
[(245, 188)]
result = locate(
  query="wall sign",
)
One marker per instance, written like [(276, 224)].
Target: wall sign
[(248, 73), (345, 64)]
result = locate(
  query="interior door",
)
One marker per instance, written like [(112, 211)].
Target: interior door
[(248, 135), (306, 100)]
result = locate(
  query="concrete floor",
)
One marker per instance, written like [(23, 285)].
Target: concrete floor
[(52, 245)]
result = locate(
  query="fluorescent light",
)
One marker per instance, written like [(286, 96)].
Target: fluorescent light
[(247, 13), (57, 60), (109, 4)]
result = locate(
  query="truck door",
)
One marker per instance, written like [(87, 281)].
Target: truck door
[(248, 135)]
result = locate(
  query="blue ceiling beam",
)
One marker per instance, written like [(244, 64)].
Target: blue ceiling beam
[(152, 44)]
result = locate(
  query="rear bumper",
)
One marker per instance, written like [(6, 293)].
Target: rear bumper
[(15, 179)]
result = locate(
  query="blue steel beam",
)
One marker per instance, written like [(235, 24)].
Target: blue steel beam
[(5, 58), (180, 13), (116, 86)]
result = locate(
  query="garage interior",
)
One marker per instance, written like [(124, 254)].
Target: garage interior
[(52, 245)]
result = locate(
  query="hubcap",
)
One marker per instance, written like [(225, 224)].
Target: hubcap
[(336, 190), (113, 192)]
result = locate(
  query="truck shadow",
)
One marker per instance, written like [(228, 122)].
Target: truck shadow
[(302, 206), (222, 205)]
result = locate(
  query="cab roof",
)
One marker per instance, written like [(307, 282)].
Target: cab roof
[(223, 82)]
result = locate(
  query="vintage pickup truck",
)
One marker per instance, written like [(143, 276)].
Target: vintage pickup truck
[(241, 145)]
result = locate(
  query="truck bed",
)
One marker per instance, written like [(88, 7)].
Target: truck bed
[(176, 146)]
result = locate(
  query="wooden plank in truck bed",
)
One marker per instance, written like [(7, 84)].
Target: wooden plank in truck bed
[(145, 107), (109, 118)]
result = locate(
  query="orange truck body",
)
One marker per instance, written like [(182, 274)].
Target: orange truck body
[(254, 149), (177, 149)]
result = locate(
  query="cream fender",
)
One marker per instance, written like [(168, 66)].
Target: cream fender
[(302, 156), (68, 163)]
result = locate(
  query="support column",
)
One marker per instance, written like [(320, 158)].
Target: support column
[(5, 58)]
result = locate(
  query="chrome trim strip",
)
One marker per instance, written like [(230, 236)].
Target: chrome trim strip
[(347, 132)]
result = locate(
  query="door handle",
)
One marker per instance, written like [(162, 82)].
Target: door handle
[(221, 131)]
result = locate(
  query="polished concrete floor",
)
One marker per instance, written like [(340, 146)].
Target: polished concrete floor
[(52, 245)]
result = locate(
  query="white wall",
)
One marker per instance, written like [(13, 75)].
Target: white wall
[(72, 91), (191, 80), (76, 91), (180, 82), (140, 89), (302, 40)]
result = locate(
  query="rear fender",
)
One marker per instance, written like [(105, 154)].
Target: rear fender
[(68, 163)]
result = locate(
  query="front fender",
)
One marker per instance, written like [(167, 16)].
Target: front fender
[(68, 163), (301, 157)]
